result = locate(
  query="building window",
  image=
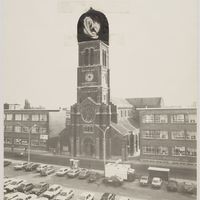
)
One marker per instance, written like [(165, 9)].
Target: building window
[(9, 117), (154, 134), (8, 140), (148, 119), (35, 130), (43, 143), (178, 151), (43, 117), (8, 128), (20, 141), (18, 129), (91, 56), (88, 128), (25, 129), (191, 152), (177, 118), (25, 117), (86, 57), (34, 142), (161, 119), (154, 150), (190, 135), (18, 117), (35, 117), (42, 130), (191, 118), (178, 135), (121, 113)]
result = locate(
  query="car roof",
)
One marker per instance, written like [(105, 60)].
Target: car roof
[(54, 185), (156, 178)]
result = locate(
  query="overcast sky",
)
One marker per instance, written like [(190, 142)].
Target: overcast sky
[(153, 50)]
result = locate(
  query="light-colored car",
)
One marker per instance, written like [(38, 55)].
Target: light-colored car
[(20, 166), (73, 173), (124, 198), (11, 196), (156, 182), (144, 180), (62, 171), (66, 194), (47, 171), (52, 191), (86, 196), (8, 181), (18, 196), (14, 185), (41, 167), (31, 197)]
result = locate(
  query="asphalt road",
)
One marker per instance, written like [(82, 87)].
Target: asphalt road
[(132, 190)]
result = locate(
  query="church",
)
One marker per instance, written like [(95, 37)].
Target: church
[(99, 127)]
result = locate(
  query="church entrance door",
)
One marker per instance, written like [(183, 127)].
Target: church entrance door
[(88, 147)]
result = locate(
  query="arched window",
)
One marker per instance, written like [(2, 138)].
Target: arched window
[(86, 57), (91, 56)]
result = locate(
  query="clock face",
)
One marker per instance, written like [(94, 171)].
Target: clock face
[(88, 113), (89, 76), (91, 27)]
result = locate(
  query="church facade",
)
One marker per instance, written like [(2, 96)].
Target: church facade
[(95, 128)]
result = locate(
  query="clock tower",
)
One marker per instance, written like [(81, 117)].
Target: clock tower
[(91, 115)]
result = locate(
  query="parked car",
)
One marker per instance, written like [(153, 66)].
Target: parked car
[(144, 180), (20, 166), (156, 182), (124, 198), (66, 194), (14, 185), (113, 180), (47, 171), (31, 166), (188, 187), (86, 196), (7, 162), (84, 173), (25, 187), (41, 167), (31, 197), (40, 188), (62, 171), (108, 196), (52, 191), (13, 196), (94, 176), (8, 181), (172, 186), (73, 173)]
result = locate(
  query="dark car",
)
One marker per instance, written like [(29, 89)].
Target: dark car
[(108, 196), (40, 188), (172, 186), (84, 174), (188, 187), (25, 187), (31, 167), (113, 180), (94, 176), (7, 162)]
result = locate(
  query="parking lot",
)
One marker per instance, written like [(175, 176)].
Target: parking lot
[(129, 189)]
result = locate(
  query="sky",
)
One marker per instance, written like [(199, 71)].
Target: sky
[(152, 51)]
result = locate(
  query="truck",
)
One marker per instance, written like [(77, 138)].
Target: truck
[(123, 171)]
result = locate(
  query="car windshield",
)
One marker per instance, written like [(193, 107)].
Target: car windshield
[(14, 183), (52, 189), (38, 186), (156, 180), (144, 178)]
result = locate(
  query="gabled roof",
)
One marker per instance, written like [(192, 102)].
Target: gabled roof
[(121, 103), (149, 102)]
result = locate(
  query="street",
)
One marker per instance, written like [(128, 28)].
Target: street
[(130, 189)]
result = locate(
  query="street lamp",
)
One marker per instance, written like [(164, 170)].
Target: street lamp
[(104, 142), (29, 139)]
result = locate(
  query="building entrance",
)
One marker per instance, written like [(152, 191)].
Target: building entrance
[(88, 147)]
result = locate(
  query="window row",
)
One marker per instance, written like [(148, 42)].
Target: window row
[(178, 118), (175, 135), (125, 113), (19, 141), (176, 151), (20, 129), (26, 117), (88, 128)]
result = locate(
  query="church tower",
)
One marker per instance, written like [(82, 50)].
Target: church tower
[(91, 115)]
